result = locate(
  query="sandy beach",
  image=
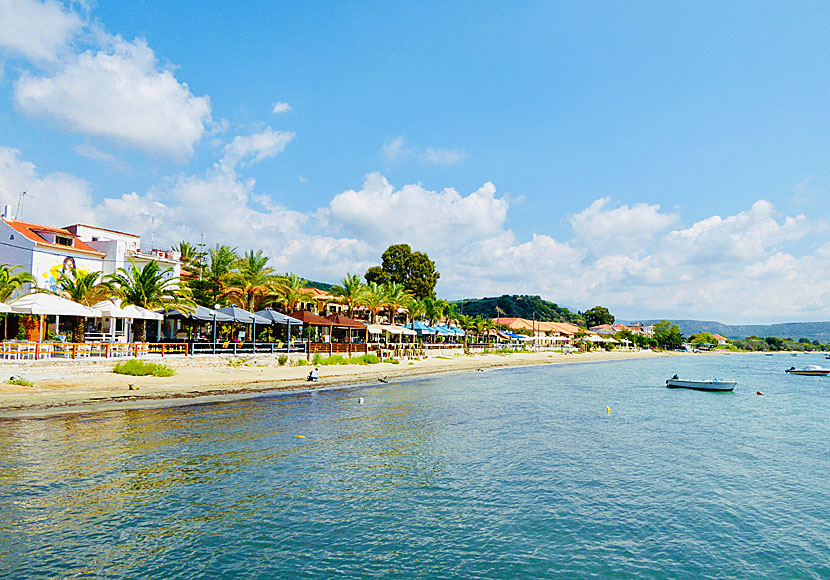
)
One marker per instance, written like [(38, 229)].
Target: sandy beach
[(72, 386)]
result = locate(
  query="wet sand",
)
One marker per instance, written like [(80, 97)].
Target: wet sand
[(81, 386)]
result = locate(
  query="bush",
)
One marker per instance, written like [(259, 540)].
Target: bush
[(139, 368), (336, 359), (283, 359), (302, 362), (315, 360), (19, 381), (391, 360)]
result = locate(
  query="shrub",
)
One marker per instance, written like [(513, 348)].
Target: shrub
[(139, 368), (315, 360), (19, 381), (391, 360), (302, 362), (283, 359)]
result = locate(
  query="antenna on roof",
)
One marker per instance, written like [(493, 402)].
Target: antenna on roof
[(152, 233), (19, 202)]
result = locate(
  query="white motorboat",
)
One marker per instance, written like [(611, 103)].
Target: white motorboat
[(809, 371), (707, 385)]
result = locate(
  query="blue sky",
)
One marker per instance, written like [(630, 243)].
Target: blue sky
[(657, 158)]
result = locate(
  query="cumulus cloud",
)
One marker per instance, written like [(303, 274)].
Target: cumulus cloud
[(441, 156), (121, 93), (39, 31), (746, 267), (251, 149), (281, 107)]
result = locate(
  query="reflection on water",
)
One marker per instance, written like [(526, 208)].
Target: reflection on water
[(515, 473)]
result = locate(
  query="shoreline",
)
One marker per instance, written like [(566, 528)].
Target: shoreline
[(64, 387)]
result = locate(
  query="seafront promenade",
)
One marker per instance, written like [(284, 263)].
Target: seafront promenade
[(83, 385)]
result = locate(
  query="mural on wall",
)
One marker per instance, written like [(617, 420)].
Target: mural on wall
[(54, 273)]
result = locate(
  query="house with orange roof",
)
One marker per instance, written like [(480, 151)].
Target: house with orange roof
[(722, 340), (48, 252), (545, 334)]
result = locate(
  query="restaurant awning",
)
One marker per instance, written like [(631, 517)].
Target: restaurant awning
[(243, 316), (114, 309), (345, 322), (278, 317), (394, 329), (420, 328), (42, 303), (5, 307), (200, 314), (310, 318)]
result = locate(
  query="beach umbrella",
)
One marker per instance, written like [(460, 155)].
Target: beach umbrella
[(279, 318), (42, 303), (200, 313), (243, 316)]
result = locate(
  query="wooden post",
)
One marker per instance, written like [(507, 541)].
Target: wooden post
[(107, 350), (162, 350), (135, 350), (74, 350)]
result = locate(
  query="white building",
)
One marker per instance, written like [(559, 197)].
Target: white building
[(47, 252)]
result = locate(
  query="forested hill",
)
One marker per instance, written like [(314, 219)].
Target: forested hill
[(795, 330), (519, 306)]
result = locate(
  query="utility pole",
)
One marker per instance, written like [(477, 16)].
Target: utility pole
[(201, 253)]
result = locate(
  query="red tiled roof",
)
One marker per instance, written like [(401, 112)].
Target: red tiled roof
[(29, 230), (310, 318), (345, 321)]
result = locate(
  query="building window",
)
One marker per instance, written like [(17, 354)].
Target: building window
[(94, 239), (63, 241)]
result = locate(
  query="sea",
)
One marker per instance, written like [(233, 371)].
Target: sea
[(582, 470)]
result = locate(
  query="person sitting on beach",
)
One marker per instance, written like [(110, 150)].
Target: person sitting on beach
[(314, 375)]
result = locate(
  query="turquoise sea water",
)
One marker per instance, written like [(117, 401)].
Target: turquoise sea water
[(516, 473)]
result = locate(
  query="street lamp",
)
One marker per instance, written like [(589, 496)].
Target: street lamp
[(215, 307)]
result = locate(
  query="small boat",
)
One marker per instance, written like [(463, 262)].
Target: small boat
[(809, 371), (707, 385), (827, 356), (768, 354)]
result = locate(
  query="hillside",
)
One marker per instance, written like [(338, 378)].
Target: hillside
[(796, 330), (520, 306)]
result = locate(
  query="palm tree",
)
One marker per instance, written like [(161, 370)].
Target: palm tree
[(220, 268), (416, 309), (190, 257), (289, 290), (84, 288), (374, 298), (433, 310), (349, 292), (396, 297), (10, 284), (250, 282), (148, 287)]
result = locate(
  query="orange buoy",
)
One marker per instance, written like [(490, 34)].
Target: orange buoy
[(758, 393)]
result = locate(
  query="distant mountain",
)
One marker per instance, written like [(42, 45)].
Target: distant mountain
[(521, 306), (325, 287), (795, 330)]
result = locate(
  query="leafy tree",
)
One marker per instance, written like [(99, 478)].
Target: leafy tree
[(191, 258), (668, 335), (401, 265), (12, 282), (521, 306), (598, 315), (148, 287), (703, 338), (221, 265), (84, 288), (349, 291)]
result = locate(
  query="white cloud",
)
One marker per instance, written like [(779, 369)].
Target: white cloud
[(38, 31), (281, 107), (249, 150), (56, 198), (752, 266), (394, 149), (623, 229), (441, 156), (120, 93)]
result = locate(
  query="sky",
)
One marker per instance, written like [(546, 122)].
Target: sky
[(659, 159)]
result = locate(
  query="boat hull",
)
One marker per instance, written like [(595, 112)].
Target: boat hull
[(803, 373), (701, 385)]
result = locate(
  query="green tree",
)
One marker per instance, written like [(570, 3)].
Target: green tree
[(219, 271), (12, 282), (598, 315), (84, 288), (703, 338), (349, 291), (191, 258), (668, 335), (289, 291), (396, 297), (250, 281), (374, 299), (148, 287), (401, 265)]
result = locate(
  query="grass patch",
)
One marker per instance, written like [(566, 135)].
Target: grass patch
[(392, 361), (283, 359), (336, 359), (302, 362), (140, 368), (19, 381)]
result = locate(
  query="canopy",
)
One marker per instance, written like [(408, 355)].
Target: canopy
[(374, 328), (420, 328), (241, 315), (594, 338), (310, 318), (5, 307), (346, 322), (200, 313), (114, 309), (448, 330), (278, 317), (393, 329), (456, 330), (515, 336), (42, 303)]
